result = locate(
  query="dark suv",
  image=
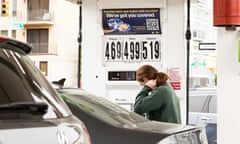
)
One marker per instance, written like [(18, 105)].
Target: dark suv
[(30, 110)]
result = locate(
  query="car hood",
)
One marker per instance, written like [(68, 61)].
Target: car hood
[(160, 127)]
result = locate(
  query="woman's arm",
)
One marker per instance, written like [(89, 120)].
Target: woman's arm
[(145, 103)]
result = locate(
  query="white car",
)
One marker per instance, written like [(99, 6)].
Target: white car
[(203, 110), (30, 110)]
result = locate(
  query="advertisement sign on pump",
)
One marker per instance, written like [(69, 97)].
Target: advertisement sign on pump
[(131, 21)]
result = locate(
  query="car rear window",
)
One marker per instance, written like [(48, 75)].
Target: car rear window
[(101, 108)]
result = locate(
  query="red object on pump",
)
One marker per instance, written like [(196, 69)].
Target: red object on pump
[(226, 13)]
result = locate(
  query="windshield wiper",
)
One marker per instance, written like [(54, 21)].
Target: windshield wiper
[(35, 108)]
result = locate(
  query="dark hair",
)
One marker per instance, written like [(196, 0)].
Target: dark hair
[(149, 72), (162, 78)]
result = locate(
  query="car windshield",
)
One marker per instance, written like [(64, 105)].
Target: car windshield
[(21, 82), (100, 107)]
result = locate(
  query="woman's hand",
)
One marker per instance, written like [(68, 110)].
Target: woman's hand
[(151, 83)]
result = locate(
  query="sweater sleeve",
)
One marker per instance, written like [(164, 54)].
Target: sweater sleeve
[(146, 102)]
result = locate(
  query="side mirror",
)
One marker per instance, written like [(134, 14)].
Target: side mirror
[(59, 84)]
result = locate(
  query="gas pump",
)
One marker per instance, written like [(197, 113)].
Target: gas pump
[(121, 36), (132, 37)]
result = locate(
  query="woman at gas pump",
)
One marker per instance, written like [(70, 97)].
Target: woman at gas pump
[(157, 99)]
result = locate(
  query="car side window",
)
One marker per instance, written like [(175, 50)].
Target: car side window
[(21, 82)]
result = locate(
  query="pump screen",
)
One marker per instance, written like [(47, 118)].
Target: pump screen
[(122, 75)]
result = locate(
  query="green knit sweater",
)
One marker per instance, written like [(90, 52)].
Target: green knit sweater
[(160, 104)]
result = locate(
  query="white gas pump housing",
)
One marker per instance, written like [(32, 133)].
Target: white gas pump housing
[(109, 72)]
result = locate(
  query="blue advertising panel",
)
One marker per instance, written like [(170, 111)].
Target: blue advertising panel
[(131, 21)]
